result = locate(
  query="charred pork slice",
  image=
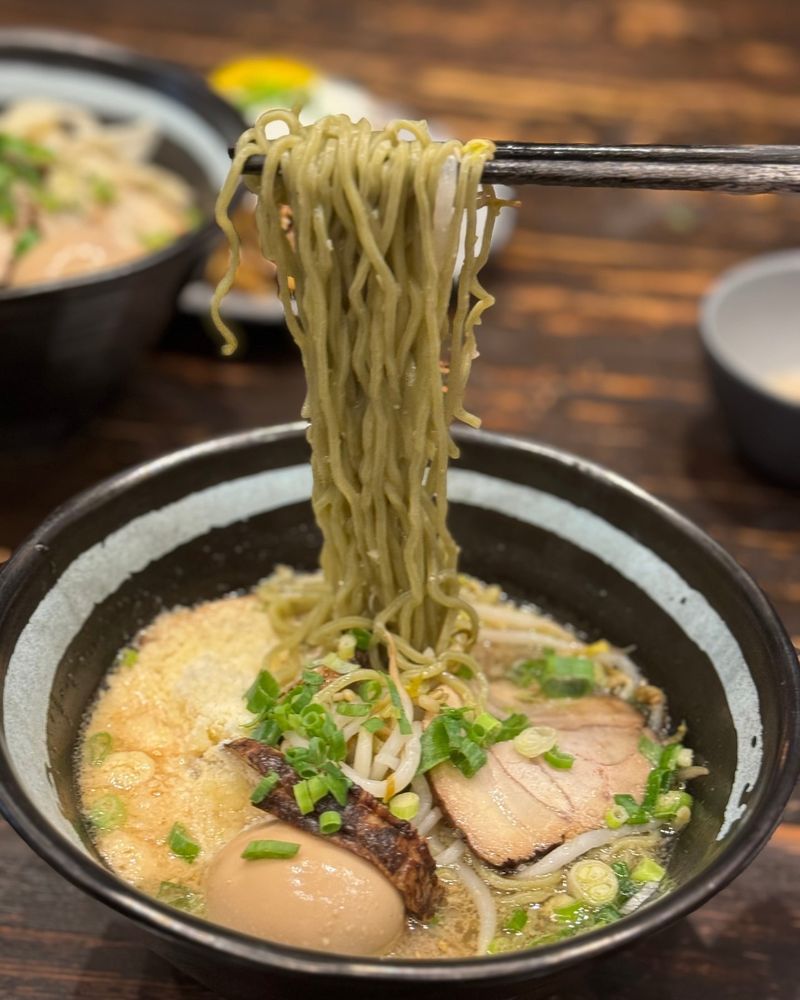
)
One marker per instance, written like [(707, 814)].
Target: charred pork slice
[(515, 809), (368, 829)]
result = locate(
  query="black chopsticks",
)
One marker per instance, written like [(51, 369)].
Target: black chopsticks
[(738, 169)]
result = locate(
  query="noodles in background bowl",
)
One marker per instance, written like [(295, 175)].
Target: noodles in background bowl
[(512, 783), (79, 195)]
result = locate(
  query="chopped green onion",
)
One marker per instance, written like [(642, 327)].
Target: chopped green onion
[(317, 788), (636, 814), (336, 782), (262, 693), (525, 672), (651, 750), (616, 817), (260, 850), (468, 757), (373, 725), (98, 747), (338, 665), (330, 822), (363, 638), (179, 896), (558, 676), (370, 690), (626, 886), (181, 844), (658, 781), (559, 759), (157, 239), (516, 922), (394, 694), (352, 708), (484, 725), (567, 687), (103, 190), (592, 881), (648, 871), (606, 914), (346, 647), (107, 813), (572, 912), (26, 240), (669, 756), (508, 729), (535, 741), (405, 805), (668, 804), (128, 656), (267, 784), (302, 796)]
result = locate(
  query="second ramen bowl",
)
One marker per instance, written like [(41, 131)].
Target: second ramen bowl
[(66, 344), (586, 545)]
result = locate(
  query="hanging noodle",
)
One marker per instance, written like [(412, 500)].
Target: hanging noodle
[(365, 228)]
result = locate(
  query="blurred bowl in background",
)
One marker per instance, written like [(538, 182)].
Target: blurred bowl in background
[(66, 345), (750, 328)]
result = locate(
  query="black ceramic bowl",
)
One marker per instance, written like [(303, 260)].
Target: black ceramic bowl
[(66, 344), (548, 527)]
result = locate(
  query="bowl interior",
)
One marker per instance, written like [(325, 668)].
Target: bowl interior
[(549, 529), (750, 318)]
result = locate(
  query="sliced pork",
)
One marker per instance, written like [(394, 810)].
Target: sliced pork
[(368, 829), (516, 809)]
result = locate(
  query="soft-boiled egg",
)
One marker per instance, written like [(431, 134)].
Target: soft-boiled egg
[(324, 897)]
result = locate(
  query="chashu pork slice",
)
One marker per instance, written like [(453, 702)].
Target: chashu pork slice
[(516, 809), (368, 828)]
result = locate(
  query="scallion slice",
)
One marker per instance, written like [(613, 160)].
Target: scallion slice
[(373, 725), (559, 759), (517, 921), (363, 638), (330, 822), (370, 690), (260, 850), (107, 813), (98, 747), (352, 709), (181, 843), (405, 805), (394, 694), (648, 870), (303, 797), (179, 896), (267, 784), (128, 656)]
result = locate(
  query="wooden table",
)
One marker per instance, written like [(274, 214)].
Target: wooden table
[(592, 347)]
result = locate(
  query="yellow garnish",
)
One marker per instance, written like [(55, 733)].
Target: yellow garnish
[(596, 648), (252, 76)]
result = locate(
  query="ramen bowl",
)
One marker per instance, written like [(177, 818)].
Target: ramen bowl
[(582, 543), (67, 343)]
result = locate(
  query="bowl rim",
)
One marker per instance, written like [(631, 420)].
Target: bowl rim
[(748, 838), (102, 56), (712, 338)]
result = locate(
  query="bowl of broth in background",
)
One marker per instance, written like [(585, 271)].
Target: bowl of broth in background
[(750, 327), (551, 529), (71, 333)]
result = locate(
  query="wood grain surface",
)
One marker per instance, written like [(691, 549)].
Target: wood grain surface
[(592, 347)]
